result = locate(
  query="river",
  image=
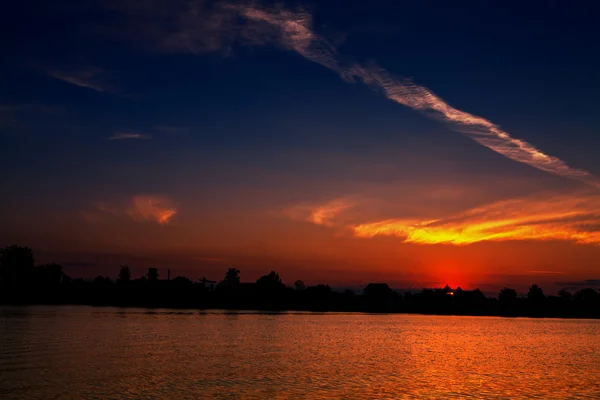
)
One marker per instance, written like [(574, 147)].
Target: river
[(77, 352)]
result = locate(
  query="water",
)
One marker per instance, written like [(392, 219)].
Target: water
[(101, 353)]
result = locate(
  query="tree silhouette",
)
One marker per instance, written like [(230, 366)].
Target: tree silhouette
[(16, 265), (102, 281), (50, 274), (565, 295), (587, 297), (124, 274), (535, 293), (270, 281), (182, 281), (152, 274), (23, 283), (507, 296), (232, 279), (319, 290)]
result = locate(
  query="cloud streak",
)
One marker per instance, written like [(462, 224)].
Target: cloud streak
[(129, 136), (319, 214), (293, 30), (325, 214), (140, 208), (571, 218), (86, 78), (199, 26)]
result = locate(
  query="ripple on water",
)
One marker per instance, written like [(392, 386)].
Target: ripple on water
[(90, 353)]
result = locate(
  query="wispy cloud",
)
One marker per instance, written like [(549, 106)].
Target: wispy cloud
[(319, 214), (325, 214), (198, 26), (574, 218), (293, 30), (151, 208), (129, 136), (88, 78), (140, 208)]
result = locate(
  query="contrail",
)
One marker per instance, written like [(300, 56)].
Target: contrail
[(293, 30)]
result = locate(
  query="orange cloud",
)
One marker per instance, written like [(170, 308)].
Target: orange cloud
[(151, 208), (326, 213), (140, 208), (574, 218), (320, 214)]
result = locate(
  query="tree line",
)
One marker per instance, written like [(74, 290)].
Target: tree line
[(22, 282)]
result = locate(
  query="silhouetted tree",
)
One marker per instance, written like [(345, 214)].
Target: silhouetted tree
[(16, 265), (49, 275), (320, 290), (102, 281), (477, 295), (23, 283), (565, 295), (535, 293), (270, 281), (587, 297), (182, 281), (377, 290), (124, 274), (378, 296), (152, 274), (507, 296), (232, 277)]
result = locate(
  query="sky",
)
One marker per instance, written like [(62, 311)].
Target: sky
[(341, 142)]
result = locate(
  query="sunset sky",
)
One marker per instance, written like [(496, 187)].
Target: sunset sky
[(342, 142)]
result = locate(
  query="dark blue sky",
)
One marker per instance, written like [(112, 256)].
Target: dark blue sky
[(226, 129)]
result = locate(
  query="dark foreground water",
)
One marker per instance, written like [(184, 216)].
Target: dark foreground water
[(102, 353)]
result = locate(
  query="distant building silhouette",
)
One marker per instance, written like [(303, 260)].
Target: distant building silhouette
[(207, 284)]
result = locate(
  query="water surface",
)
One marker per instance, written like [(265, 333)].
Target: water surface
[(98, 353)]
